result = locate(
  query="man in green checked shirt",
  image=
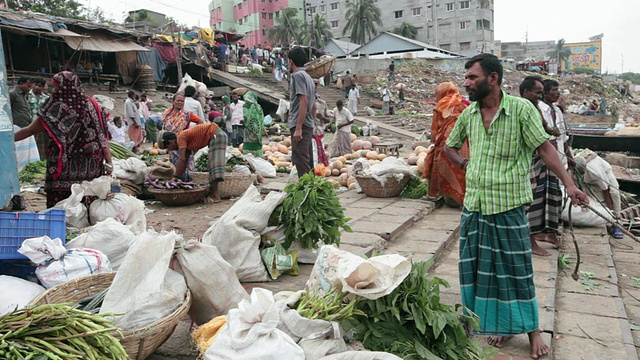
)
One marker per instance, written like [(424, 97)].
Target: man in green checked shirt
[(496, 272)]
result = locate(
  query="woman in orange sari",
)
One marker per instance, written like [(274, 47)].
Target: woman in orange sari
[(445, 178)]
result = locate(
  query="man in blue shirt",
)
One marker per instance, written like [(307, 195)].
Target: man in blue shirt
[(223, 56)]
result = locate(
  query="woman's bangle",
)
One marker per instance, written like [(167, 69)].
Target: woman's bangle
[(463, 163)]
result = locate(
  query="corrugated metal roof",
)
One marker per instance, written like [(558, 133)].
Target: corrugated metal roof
[(389, 42), (100, 42), (339, 47)]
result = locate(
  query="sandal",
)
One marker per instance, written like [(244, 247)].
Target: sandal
[(617, 233)]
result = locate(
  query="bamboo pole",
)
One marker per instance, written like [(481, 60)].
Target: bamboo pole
[(178, 53), (10, 55)]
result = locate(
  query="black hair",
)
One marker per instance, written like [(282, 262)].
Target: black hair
[(549, 84), (116, 118), (489, 63), (130, 93), (176, 95), (168, 136), (23, 79), (339, 103), (529, 82), (143, 96), (189, 91), (38, 80), (298, 56)]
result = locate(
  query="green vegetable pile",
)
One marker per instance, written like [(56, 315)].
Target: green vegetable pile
[(58, 332), (33, 171), (333, 306), (412, 323), (311, 213), (415, 189), (202, 164), (120, 152), (149, 159)]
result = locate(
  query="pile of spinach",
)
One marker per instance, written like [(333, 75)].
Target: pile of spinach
[(33, 171), (415, 189), (412, 323), (311, 213)]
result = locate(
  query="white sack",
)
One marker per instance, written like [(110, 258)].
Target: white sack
[(262, 166), (132, 169), (145, 289), (76, 214), (21, 294), (57, 265), (125, 208), (26, 150), (109, 236), (251, 333), (370, 278), (237, 233), (389, 167), (585, 217), (362, 355), (213, 283), (316, 337), (303, 256)]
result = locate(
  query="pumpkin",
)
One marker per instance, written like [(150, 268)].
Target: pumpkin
[(353, 137), (382, 156), (337, 164), (351, 180), (355, 155), (374, 139), (274, 148), (319, 170), (283, 164), (366, 145), (343, 159), (335, 172), (412, 159), (153, 152), (353, 186), (420, 163), (348, 157), (372, 155), (327, 154), (356, 145), (344, 170), (420, 149), (342, 179), (334, 182), (283, 149), (286, 142), (363, 153), (327, 172), (265, 148)]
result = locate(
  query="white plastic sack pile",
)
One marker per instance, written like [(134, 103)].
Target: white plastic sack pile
[(261, 166), (585, 217), (362, 355), (389, 167), (145, 289), (370, 278), (251, 333), (125, 208), (57, 265), (132, 169), (109, 236), (213, 283), (76, 214), (21, 294), (237, 233)]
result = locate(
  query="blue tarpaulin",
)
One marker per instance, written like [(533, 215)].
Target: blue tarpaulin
[(153, 59)]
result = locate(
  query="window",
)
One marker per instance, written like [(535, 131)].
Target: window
[(464, 5), (264, 32), (484, 4), (483, 24), (463, 25), (239, 21), (465, 45), (277, 14), (270, 15), (313, 10), (323, 8), (397, 14), (416, 11), (240, 6), (333, 6), (334, 24), (445, 46), (449, 6), (264, 15)]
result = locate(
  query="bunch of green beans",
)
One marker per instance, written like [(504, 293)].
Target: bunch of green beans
[(333, 306)]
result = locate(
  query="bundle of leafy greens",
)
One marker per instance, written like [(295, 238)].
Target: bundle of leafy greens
[(33, 171), (415, 189), (311, 213), (412, 323)]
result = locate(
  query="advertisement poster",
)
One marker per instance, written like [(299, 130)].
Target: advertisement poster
[(587, 55)]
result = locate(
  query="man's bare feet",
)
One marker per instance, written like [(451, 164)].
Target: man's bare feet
[(551, 238), (538, 347), (498, 341), (536, 249), (211, 200)]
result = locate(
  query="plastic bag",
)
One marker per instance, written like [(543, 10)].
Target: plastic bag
[(237, 233), (214, 286), (251, 333), (57, 265), (132, 169), (277, 260), (145, 289), (370, 278), (76, 214), (109, 236), (125, 208), (241, 169), (26, 150), (262, 166), (21, 294), (584, 216)]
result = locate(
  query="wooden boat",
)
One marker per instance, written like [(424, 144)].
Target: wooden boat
[(319, 67), (629, 185), (594, 139)]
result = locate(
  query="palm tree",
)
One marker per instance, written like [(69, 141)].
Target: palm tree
[(320, 32), (364, 16), (407, 30), (287, 29), (560, 52)]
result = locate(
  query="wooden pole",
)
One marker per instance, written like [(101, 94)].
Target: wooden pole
[(10, 56), (178, 52), (49, 56)]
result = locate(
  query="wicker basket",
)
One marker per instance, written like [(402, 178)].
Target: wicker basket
[(139, 343), (233, 185), (180, 197), (319, 67), (372, 187)]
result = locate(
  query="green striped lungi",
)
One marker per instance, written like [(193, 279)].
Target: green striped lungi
[(217, 159), (496, 272)]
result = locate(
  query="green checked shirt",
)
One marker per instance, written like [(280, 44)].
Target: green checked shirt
[(35, 103), (500, 161)]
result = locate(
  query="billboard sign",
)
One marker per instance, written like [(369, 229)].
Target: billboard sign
[(586, 55)]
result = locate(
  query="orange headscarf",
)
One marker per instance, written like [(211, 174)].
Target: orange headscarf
[(447, 96)]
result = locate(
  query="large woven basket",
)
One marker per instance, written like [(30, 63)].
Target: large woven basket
[(180, 197), (233, 185), (373, 188), (139, 343)]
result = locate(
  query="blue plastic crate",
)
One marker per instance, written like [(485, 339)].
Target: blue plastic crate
[(15, 227), (19, 268)]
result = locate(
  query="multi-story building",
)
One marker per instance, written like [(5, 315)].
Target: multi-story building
[(145, 20), (461, 26), (253, 18), (532, 50)]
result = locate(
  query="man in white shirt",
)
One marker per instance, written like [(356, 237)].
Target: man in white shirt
[(343, 118), (353, 97), (117, 131), (555, 120), (193, 105), (237, 117), (386, 99)]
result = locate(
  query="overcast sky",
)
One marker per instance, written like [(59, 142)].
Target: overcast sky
[(573, 20)]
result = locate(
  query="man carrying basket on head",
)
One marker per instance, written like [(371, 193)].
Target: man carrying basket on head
[(188, 142)]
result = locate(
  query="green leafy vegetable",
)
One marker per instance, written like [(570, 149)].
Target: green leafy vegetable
[(412, 323), (333, 306), (33, 171), (202, 164), (415, 189), (311, 213)]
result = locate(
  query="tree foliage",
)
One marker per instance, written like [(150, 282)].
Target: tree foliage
[(287, 29), (407, 30), (560, 52), (363, 20), (320, 32), (633, 77), (62, 8)]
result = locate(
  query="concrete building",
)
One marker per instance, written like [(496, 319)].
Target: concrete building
[(533, 50), (145, 20), (464, 27), (389, 45), (339, 48), (253, 18)]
